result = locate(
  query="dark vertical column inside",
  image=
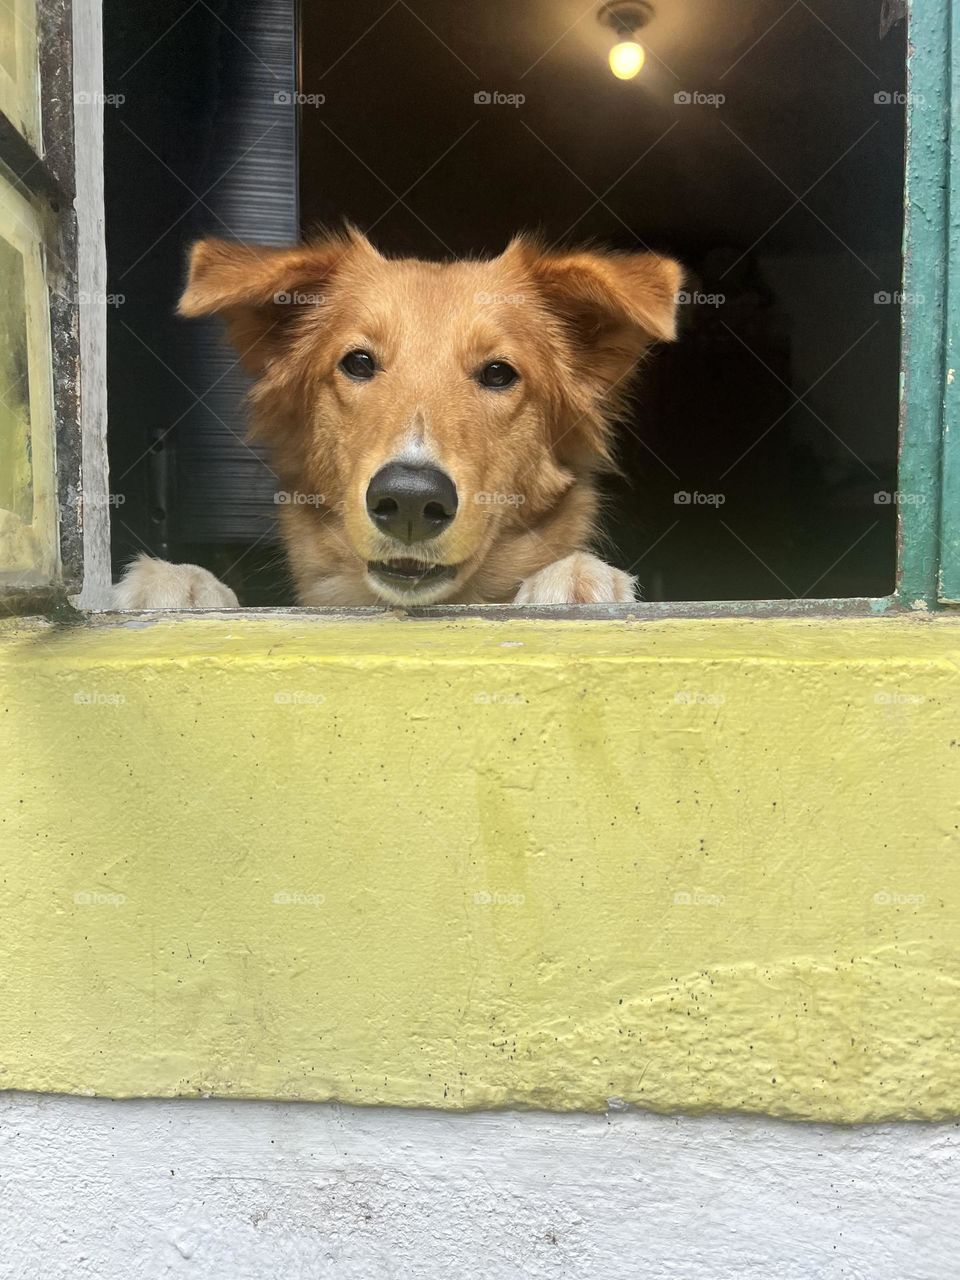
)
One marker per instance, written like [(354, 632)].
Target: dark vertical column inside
[(200, 140)]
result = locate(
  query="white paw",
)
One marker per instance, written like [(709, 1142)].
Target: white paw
[(578, 579), (158, 584)]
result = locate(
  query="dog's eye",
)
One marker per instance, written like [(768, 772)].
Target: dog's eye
[(358, 364), (497, 375)]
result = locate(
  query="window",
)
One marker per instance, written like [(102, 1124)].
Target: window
[(761, 147), (28, 496), (782, 451), (39, 472)]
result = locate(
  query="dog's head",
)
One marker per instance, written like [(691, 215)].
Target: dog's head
[(432, 408)]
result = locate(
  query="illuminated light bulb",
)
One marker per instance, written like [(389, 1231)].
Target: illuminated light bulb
[(626, 59)]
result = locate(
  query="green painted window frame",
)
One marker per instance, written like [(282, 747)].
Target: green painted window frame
[(928, 570), (948, 584)]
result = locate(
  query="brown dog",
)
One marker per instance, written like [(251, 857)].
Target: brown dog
[(437, 427)]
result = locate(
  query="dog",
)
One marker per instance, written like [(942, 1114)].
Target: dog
[(437, 429)]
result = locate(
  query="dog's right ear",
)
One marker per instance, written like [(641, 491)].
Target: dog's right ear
[(263, 293)]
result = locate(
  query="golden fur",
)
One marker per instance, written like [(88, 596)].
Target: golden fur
[(574, 326)]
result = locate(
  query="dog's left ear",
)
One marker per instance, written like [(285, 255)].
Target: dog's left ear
[(612, 305), (261, 292)]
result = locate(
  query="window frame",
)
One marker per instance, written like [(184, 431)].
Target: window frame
[(948, 581), (923, 351), (47, 177), (928, 531)]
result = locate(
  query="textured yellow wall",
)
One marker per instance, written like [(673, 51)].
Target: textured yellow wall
[(688, 864)]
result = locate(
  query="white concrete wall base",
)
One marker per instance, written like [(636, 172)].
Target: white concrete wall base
[(263, 1191)]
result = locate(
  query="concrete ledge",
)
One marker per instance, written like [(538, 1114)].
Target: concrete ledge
[(686, 864)]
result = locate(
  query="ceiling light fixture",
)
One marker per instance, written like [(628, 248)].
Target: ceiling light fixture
[(626, 18)]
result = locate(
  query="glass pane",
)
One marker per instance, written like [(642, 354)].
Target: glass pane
[(28, 511), (760, 144), (19, 80)]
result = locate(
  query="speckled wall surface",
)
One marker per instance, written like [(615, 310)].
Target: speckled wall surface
[(686, 864)]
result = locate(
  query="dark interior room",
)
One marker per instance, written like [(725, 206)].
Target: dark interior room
[(758, 458)]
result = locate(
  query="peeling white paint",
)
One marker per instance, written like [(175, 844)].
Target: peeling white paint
[(242, 1191)]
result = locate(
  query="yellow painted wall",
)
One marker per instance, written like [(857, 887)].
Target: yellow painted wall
[(689, 864)]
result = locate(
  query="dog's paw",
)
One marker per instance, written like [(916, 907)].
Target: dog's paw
[(158, 584), (578, 579)]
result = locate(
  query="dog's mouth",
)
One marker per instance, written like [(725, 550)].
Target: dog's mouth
[(408, 575)]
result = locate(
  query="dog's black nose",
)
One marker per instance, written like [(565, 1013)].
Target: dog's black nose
[(411, 503)]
